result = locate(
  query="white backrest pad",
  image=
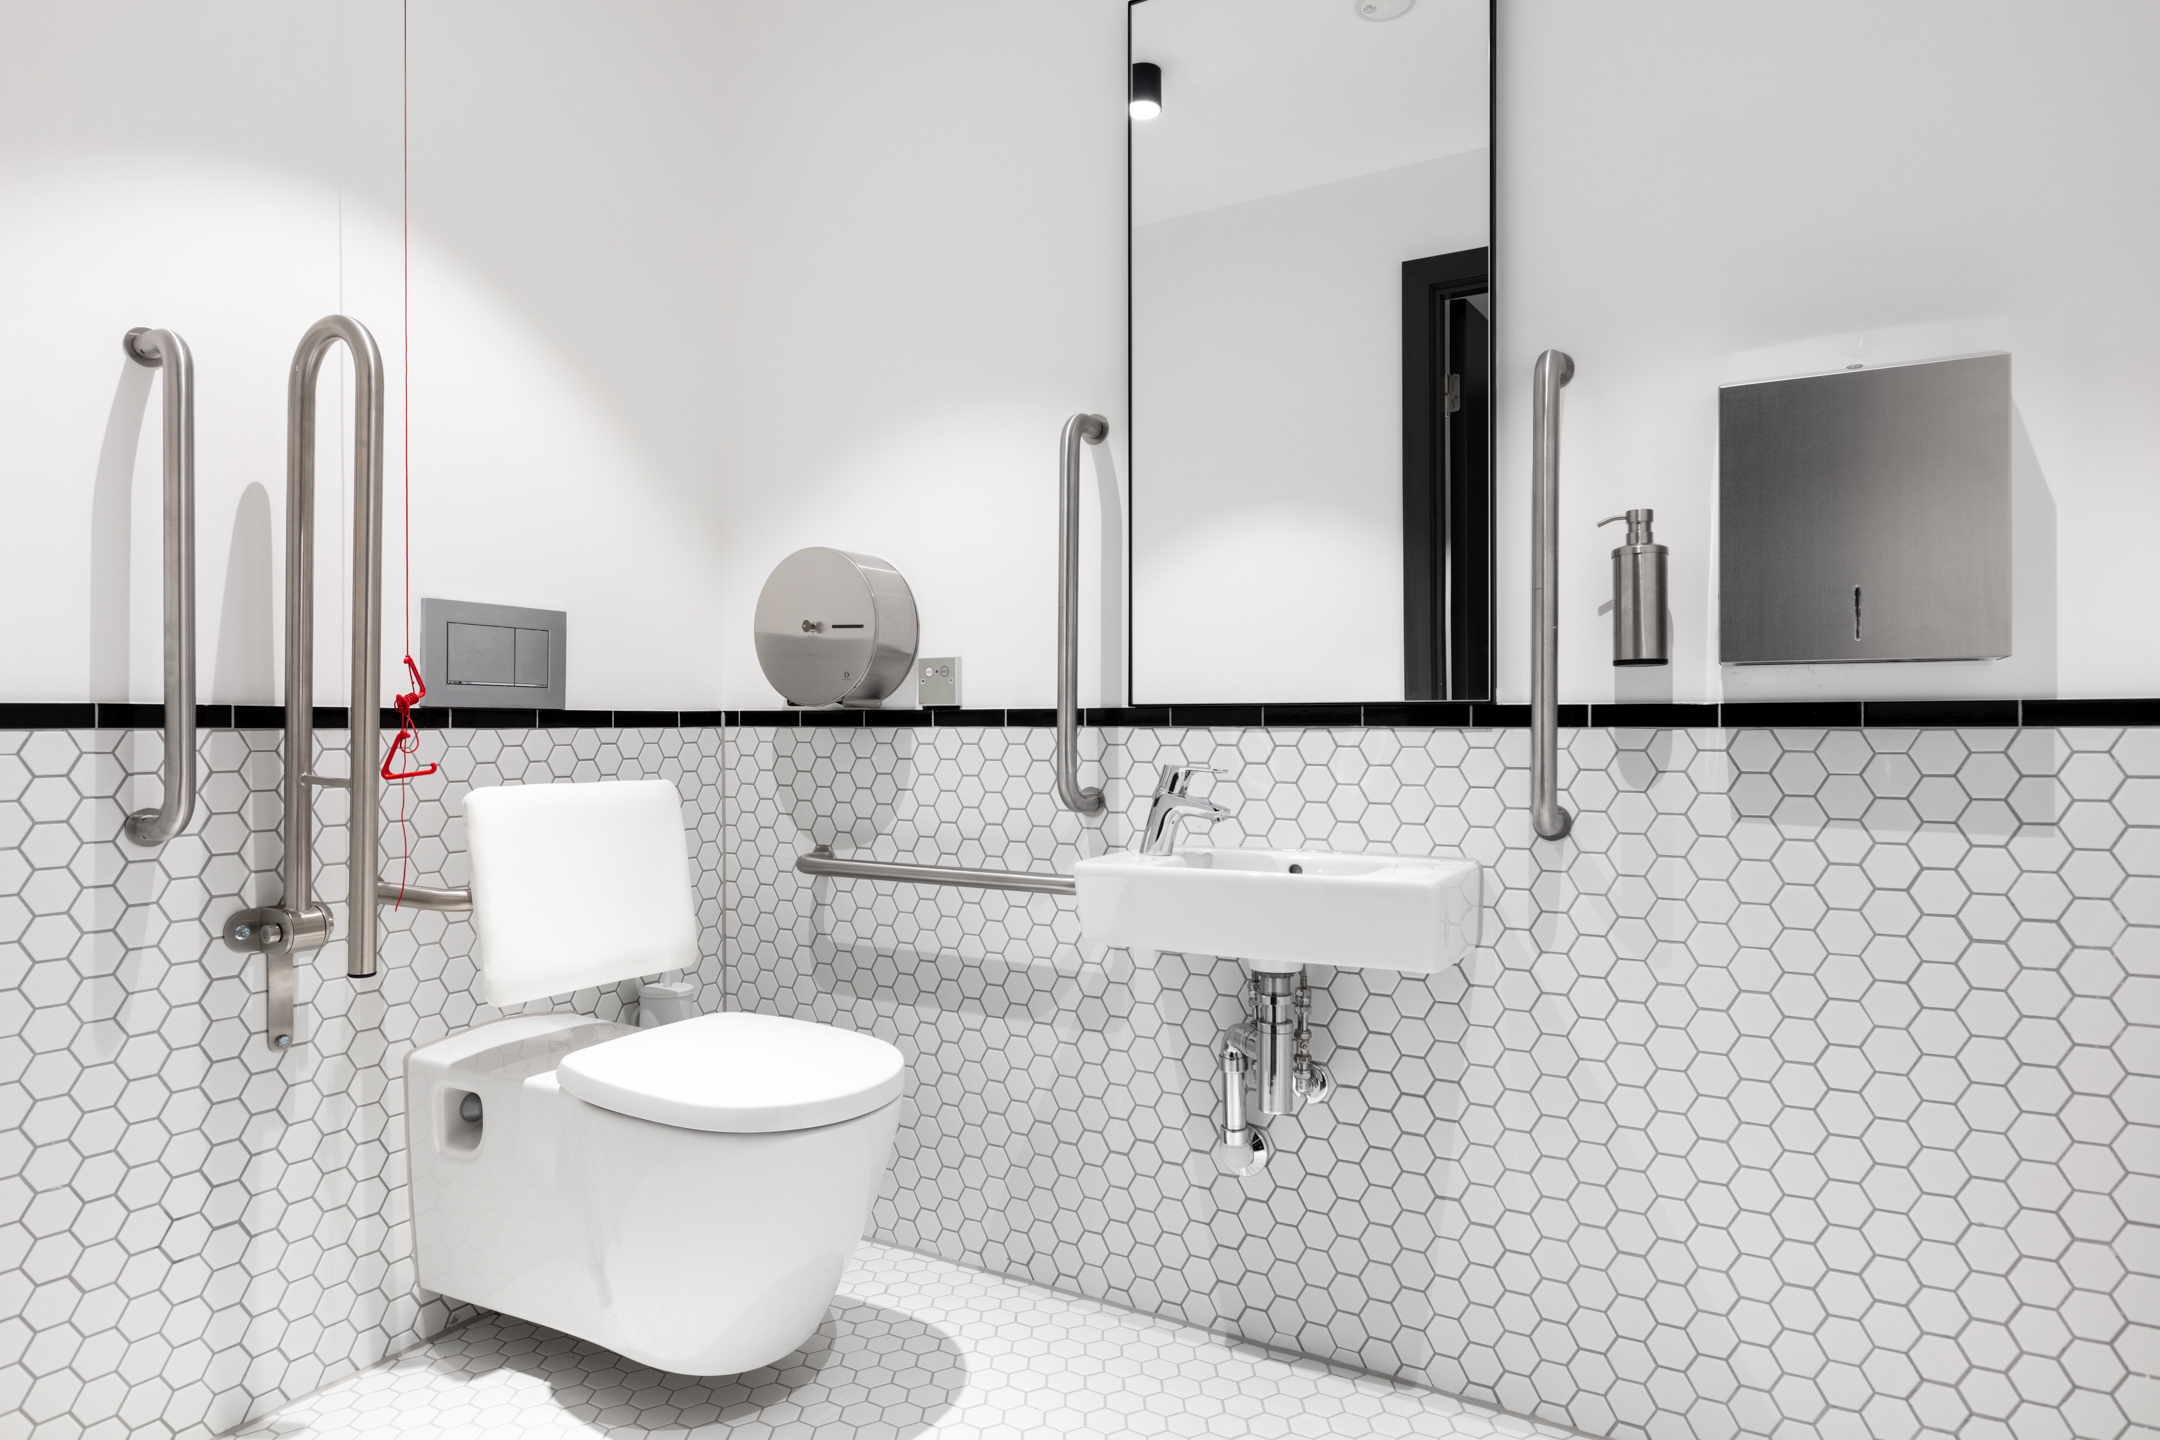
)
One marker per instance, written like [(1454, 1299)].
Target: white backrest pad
[(578, 885)]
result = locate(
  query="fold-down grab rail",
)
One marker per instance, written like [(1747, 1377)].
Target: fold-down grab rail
[(301, 922), (822, 861)]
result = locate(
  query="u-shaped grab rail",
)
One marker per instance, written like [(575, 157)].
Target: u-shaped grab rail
[(299, 921), (164, 350), (1092, 429), (1554, 369)]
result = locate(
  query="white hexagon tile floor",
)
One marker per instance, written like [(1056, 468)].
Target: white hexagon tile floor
[(914, 1346)]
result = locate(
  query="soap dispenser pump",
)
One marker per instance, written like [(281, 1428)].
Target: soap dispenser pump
[(1640, 632)]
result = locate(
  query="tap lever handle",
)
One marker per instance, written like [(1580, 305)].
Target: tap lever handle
[(1175, 779)]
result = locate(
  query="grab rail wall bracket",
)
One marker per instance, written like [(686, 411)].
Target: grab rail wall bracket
[(1554, 369), (1092, 429), (162, 349), (822, 861)]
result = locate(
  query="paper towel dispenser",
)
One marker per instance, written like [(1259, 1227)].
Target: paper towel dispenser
[(1865, 515)]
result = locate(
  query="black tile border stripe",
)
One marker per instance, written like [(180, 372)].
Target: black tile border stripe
[(475, 718), (1940, 714), (1737, 715), (1792, 715), (1416, 714), (1517, 717), (576, 720), (1654, 717), (832, 719), (1317, 717), (1133, 716), (2089, 712), (48, 717)]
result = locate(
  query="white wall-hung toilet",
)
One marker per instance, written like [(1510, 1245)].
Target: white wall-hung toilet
[(686, 1195)]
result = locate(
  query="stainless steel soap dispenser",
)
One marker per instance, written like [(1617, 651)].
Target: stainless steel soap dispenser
[(1641, 634)]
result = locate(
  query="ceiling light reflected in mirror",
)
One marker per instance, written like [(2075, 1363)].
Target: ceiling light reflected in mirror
[(1146, 101)]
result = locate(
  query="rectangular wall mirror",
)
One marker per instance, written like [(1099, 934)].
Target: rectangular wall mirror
[(1311, 466)]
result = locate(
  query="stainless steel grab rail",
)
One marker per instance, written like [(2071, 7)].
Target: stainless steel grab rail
[(1554, 369), (426, 897), (822, 861), (1092, 429), (162, 349), (299, 921)]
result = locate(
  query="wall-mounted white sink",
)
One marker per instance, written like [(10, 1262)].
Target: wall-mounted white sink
[(1280, 909)]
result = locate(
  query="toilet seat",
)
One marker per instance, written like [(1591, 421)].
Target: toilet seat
[(737, 1073)]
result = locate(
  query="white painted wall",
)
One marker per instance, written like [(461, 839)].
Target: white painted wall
[(1688, 191), (231, 170), (1262, 97), (696, 286), (1267, 557), (1693, 192), (924, 251)]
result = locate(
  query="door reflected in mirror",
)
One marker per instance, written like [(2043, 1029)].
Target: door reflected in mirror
[(1311, 342)]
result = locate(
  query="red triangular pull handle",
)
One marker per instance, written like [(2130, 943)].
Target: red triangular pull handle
[(407, 739)]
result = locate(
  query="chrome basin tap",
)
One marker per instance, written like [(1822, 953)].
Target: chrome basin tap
[(1171, 805)]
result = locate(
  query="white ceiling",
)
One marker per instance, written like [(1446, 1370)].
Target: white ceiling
[(1266, 96)]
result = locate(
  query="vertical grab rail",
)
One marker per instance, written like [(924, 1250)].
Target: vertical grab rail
[(162, 349), (1554, 369), (1092, 429)]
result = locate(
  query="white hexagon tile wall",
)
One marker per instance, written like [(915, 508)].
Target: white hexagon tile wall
[(1806, 1090), (193, 1229)]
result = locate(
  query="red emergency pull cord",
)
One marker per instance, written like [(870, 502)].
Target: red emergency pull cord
[(407, 739)]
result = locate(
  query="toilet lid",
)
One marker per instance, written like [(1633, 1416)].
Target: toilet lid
[(737, 1072)]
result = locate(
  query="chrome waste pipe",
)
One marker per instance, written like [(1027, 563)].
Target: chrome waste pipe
[(1244, 1149), (163, 350), (1092, 429), (1554, 369), (299, 921), (1272, 1050)]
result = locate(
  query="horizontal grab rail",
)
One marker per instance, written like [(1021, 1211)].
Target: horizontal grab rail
[(822, 861)]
